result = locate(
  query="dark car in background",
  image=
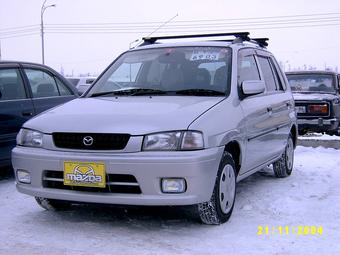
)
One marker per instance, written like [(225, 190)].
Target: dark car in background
[(27, 89), (317, 100)]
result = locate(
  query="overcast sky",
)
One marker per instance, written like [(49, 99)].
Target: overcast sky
[(312, 44)]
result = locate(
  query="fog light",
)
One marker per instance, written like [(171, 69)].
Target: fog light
[(173, 185), (23, 176)]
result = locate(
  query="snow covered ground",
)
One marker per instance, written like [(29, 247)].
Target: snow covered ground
[(310, 197)]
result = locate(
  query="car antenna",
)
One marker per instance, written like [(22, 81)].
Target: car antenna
[(154, 31)]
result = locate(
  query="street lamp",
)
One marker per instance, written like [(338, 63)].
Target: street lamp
[(43, 8)]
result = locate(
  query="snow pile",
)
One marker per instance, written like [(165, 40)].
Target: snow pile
[(310, 197)]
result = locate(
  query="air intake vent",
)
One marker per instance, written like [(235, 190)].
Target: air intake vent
[(115, 183)]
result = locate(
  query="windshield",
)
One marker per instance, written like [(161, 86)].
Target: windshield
[(163, 70), (323, 83)]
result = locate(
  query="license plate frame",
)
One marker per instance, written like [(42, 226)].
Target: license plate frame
[(84, 174)]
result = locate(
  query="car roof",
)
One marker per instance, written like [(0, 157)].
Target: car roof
[(21, 63)]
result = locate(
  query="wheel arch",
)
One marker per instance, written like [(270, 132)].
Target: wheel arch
[(234, 148)]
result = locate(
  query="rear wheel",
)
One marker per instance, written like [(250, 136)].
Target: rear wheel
[(53, 204), (220, 206), (284, 165)]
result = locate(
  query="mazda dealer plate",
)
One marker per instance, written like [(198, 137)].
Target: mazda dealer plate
[(87, 174)]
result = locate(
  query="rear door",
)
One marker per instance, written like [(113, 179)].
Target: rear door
[(47, 90), (15, 108), (280, 103)]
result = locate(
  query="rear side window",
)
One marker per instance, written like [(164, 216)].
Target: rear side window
[(11, 85), (247, 69), (267, 74), (42, 84)]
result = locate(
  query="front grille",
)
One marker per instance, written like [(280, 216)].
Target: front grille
[(115, 183), (83, 141), (307, 114)]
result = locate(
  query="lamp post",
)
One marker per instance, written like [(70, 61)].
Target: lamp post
[(43, 8)]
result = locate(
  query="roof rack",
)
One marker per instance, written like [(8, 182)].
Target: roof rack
[(239, 37), (262, 42)]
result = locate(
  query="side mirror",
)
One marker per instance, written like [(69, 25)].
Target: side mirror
[(253, 87)]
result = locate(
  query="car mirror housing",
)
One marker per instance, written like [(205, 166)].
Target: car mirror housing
[(253, 87)]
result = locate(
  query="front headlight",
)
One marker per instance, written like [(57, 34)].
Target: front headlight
[(31, 138), (173, 141)]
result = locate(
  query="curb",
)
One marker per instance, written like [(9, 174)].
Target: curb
[(335, 144)]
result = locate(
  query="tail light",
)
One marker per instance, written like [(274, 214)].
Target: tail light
[(318, 108)]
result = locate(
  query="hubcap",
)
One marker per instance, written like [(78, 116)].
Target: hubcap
[(290, 153), (227, 188)]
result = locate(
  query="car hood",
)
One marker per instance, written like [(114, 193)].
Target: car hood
[(313, 96), (134, 115)]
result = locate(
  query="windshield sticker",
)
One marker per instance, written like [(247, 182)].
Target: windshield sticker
[(204, 55)]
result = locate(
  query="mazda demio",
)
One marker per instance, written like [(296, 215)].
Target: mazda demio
[(174, 121)]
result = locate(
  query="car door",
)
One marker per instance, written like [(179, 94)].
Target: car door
[(256, 112), (47, 89), (15, 108), (280, 103)]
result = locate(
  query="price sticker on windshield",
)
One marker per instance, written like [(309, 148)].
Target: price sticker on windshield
[(204, 55)]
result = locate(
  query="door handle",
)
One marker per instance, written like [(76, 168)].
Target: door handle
[(27, 114)]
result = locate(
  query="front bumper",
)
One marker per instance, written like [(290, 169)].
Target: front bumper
[(198, 168), (318, 124)]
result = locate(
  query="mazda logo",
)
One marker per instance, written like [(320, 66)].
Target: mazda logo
[(88, 140)]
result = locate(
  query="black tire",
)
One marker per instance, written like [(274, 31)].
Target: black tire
[(211, 212), (53, 204), (284, 165)]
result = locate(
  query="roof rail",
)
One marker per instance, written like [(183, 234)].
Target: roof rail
[(239, 37)]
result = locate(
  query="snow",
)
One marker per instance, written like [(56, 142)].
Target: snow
[(310, 197)]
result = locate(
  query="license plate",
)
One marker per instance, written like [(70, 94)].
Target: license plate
[(300, 109), (87, 174)]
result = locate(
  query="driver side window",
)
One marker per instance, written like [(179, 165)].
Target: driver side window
[(247, 69)]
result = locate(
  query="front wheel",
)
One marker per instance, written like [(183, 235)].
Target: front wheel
[(220, 206), (284, 165)]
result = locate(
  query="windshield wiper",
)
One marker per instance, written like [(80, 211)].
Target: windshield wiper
[(200, 92), (130, 92)]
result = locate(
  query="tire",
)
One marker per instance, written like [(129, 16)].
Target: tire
[(220, 206), (284, 165), (53, 204)]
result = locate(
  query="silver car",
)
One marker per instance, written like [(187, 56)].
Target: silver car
[(165, 124)]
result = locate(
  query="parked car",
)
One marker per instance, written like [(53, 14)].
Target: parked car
[(317, 100), (164, 124), (82, 83), (26, 89)]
